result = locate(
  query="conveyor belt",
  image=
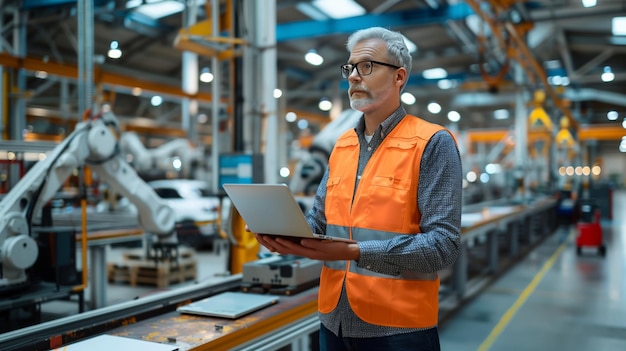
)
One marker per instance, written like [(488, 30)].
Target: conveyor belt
[(52, 334), (154, 318)]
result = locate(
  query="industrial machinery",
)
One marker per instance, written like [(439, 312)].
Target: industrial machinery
[(93, 143), (281, 274), (177, 154)]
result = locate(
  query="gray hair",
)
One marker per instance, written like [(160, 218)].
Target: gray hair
[(397, 52)]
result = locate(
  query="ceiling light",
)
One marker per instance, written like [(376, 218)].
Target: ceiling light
[(445, 84), (434, 107), (158, 9), (114, 50), (501, 114), (589, 3), (618, 25), (311, 11), (435, 73), (338, 9), (277, 93), (454, 116), (607, 74), (156, 100), (303, 124), (291, 116), (205, 75), (407, 98), (612, 115), (313, 58), (325, 104), (554, 80)]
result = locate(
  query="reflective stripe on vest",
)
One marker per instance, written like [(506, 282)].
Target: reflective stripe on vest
[(406, 299)]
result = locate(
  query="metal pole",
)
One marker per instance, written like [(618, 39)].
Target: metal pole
[(215, 106), (266, 40)]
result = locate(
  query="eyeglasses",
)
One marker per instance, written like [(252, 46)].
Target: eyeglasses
[(362, 68)]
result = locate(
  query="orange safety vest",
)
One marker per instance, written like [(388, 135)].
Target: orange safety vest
[(383, 206)]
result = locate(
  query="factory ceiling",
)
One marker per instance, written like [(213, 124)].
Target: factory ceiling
[(492, 52)]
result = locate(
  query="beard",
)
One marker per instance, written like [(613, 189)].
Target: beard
[(360, 104)]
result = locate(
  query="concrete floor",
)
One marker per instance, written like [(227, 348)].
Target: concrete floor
[(553, 299)]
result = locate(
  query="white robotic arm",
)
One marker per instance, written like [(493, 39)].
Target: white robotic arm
[(145, 159), (92, 143)]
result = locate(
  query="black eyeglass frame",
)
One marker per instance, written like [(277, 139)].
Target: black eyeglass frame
[(355, 65)]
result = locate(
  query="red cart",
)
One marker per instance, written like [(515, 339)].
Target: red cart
[(589, 230)]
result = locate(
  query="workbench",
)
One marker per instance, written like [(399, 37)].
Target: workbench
[(487, 230), (196, 333)]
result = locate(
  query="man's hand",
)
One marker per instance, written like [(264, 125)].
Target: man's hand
[(324, 250)]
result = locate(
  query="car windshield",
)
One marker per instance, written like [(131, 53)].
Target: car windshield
[(167, 193)]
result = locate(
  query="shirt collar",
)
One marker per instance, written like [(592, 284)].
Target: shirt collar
[(386, 126)]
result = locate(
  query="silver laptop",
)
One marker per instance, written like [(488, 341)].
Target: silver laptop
[(229, 304), (272, 209)]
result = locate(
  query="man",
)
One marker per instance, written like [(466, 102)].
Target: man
[(393, 184)]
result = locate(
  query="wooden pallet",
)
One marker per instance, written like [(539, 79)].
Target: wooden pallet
[(140, 254), (134, 269)]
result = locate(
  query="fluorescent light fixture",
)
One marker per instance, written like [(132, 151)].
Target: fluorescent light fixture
[(445, 84), (618, 25), (435, 73), (131, 4), (311, 11), (590, 3), (158, 9), (501, 114), (339, 8)]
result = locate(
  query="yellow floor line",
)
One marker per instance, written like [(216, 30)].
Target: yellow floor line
[(506, 318)]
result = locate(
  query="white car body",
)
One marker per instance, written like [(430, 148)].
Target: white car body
[(192, 203)]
